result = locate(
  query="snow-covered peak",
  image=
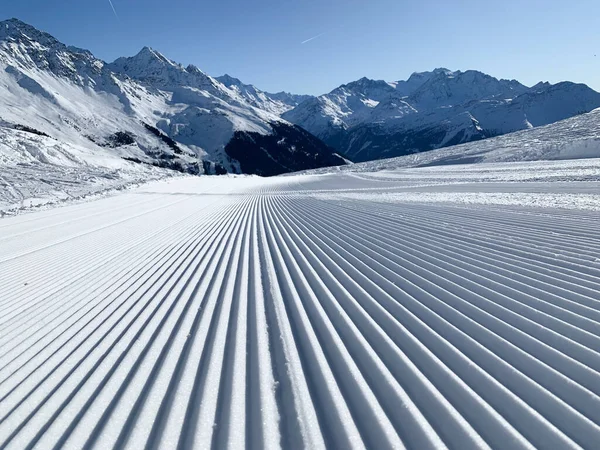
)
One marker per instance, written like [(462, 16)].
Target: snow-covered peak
[(193, 69), (416, 80), (274, 103), (25, 47), (152, 67), (456, 88), (367, 87), (290, 99), (148, 55), (17, 34), (442, 87), (230, 81), (147, 65), (541, 86), (360, 97), (16, 30), (347, 106), (424, 76), (553, 102)]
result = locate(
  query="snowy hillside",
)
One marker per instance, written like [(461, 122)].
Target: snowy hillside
[(39, 171), (278, 103), (165, 114), (370, 119), (570, 139), (69, 95)]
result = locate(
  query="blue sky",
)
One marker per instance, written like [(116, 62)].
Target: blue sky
[(260, 41)]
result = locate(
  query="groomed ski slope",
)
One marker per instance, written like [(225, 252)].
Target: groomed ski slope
[(449, 307)]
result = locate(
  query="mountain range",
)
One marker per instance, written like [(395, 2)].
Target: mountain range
[(146, 109), (152, 111), (371, 119)]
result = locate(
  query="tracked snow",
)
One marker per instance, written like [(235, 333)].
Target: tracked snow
[(344, 310)]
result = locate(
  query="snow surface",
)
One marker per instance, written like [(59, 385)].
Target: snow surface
[(437, 307), (448, 299), (38, 171)]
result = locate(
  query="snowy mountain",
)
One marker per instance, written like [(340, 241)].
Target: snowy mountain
[(278, 103), (151, 110), (144, 108), (370, 119), (570, 139), (447, 88)]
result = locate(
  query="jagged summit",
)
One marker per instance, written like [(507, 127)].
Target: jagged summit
[(370, 91), (17, 27), (193, 69), (275, 103), (149, 55), (541, 86), (228, 80), (146, 57), (18, 32), (366, 83), (15, 24), (417, 79), (428, 74), (452, 88), (151, 67), (23, 46)]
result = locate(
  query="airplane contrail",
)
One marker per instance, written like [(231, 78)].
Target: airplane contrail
[(312, 38), (113, 8)]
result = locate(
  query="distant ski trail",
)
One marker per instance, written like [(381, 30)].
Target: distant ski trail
[(300, 312)]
